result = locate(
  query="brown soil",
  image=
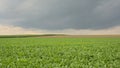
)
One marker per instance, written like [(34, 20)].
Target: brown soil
[(83, 36)]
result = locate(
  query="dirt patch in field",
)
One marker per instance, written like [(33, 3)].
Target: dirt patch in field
[(83, 36), (60, 36)]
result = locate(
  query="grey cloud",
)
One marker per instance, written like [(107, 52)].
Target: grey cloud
[(63, 14)]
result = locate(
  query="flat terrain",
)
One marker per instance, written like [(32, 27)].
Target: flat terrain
[(72, 52), (59, 36), (81, 36)]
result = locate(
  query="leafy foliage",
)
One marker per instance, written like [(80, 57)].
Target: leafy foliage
[(59, 53)]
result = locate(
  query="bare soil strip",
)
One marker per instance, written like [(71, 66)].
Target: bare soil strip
[(83, 36), (60, 36)]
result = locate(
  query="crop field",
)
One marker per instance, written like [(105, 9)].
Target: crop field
[(59, 52)]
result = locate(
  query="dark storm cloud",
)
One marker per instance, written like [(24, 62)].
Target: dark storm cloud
[(62, 14)]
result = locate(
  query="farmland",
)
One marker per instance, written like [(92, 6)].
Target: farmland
[(59, 52)]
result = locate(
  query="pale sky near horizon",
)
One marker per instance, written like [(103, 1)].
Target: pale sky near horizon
[(82, 17)]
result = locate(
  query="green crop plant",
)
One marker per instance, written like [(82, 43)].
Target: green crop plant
[(59, 52)]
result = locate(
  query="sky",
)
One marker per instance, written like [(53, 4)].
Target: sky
[(79, 17)]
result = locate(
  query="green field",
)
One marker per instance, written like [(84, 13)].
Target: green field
[(59, 52)]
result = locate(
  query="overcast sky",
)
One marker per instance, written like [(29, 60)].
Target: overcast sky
[(60, 16)]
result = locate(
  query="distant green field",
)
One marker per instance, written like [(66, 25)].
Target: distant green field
[(59, 52), (28, 36)]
